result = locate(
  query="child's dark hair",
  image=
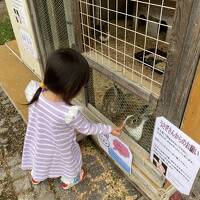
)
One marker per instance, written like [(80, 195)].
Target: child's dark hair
[(67, 71)]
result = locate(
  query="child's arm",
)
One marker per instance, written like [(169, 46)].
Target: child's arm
[(81, 124)]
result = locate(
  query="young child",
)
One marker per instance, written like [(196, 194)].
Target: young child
[(50, 148)]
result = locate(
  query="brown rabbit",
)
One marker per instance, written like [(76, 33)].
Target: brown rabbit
[(113, 105)]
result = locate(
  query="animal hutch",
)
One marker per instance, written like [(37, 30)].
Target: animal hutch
[(143, 56)]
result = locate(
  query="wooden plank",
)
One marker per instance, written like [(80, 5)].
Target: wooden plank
[(68, 8), (129, 85), (191, 119), (77, 25), (145, 183), (183, 57), (141, 157), (42, 56), (148, 185), (52, 17)]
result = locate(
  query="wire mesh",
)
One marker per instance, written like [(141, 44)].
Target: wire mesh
[(116, 103), (52, 24), (129, 36)]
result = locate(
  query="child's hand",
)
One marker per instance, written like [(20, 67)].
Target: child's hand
[(117, 131)]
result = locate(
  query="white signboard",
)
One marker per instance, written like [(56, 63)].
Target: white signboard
[(19, 12), (117, 150), (28, 43), (175, 154)]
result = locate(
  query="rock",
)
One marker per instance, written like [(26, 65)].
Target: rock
[(6, 101), (16, 172), (47, 196), (14, 160), (29, 196), (3, 130), (44, 192), (3, 140), (2, 121), (21, 185), (2, 174), (15, 119)]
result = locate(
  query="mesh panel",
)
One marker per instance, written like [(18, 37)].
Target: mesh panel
[(52, 23), (116, 103), (129, 36)]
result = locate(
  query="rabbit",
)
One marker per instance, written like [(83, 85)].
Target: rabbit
[(102, 18), (113, 104), (147, 134), (140, 121), (134, 123)]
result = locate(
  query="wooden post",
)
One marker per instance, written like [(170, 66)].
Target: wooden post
[(182, 61), (77, 24), (54, 30), (37, 32)]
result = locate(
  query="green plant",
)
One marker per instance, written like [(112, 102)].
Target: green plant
[(6, 31)]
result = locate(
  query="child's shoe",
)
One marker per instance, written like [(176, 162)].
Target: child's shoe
[(75, 181), (34, 182)]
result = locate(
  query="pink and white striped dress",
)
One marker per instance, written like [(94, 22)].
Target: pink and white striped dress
[(50, 148)]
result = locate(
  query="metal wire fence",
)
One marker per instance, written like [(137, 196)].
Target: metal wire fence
[(130, 37)]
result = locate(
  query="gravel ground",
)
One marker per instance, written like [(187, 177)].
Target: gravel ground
[(104, 180)]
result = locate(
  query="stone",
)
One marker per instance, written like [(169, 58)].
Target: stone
[(43, 191), (83, 186), (28, 196), (66, 194), (21, 185), (2, 121), (94, 195), (134, 197), (96, 170), (2, 174), (41, 188), (16, 172), (3, 140), (3, 130), (14, 160), (5, 101), (15, 119), (47, 195), (1, 189)]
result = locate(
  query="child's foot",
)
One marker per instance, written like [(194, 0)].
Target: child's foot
[(34, 182), (76, 180)]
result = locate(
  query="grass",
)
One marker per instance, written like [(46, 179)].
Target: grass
[(6, 31)]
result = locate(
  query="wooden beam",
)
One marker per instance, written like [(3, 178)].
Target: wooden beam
[(38, 35), (123, 81), (53, 23), (182, 61), (191, 119), (77, 25)]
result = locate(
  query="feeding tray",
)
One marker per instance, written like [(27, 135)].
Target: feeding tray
[(148, 58)]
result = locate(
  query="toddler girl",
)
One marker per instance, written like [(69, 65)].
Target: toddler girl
[(50, 148)]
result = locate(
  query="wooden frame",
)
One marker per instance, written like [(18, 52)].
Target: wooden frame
[(40, 43), (182, 61), (144, 173)]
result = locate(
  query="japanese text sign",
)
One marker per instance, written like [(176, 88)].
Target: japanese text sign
[(175, 154)]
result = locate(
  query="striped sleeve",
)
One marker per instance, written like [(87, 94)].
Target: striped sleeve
[(82, 125)]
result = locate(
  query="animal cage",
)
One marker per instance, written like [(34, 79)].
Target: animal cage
[(130, 39), (126, 43)]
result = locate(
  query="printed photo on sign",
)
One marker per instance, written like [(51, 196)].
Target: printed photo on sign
[(175, 155), (161, 166), (117, 150)]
